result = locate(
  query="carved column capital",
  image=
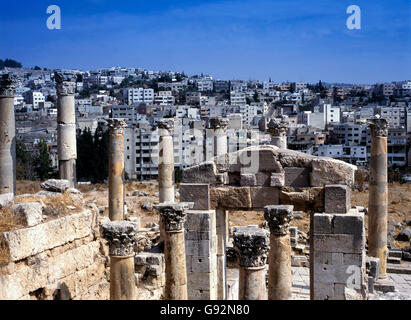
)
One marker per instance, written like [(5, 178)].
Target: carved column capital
[(65, 83), (218, 123), (278, 218), (378, 126), (252, 244), (166, 127), (8, 85), (121, 237), (277, 127), (116, 126), (173, 215)]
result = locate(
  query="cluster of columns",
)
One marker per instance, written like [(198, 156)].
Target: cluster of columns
[(66, 125), (219, 125), (378, 193), (255, 246), (8, 85), (277, 128)]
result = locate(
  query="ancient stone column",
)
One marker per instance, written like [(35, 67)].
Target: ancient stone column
[(8, 84), (277, 128), (172, 216), (279, 259), (378, 193), (166, 161), (121, 239), (116, 169), (66, 125), (219, 125), (252, 245)]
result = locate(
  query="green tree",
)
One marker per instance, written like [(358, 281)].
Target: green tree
[(23, 161), (42, 162)]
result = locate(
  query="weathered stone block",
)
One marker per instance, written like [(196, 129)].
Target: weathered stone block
[(277, 179), (264, 196), (197, 193), (330, 171), (337, 198), (31, 213), (344, 243), (297, 177), (23, 243), (323, 223), (200, 263), (248, 180), (199, 221), (231, 197), (198, 235), (349, 224), (263, 179), (199, 247), (205, 172)]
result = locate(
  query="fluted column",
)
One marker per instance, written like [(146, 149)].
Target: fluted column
[(66, 125), (277, 128), (279, 259), (116, 169), (121, 237), (8, 85), (378, 193), (172, 217), (219, 125), (252, 245)]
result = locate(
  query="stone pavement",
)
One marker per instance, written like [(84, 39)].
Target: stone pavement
[(301, 285)]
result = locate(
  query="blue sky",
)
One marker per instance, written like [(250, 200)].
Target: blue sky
[(295, 40)]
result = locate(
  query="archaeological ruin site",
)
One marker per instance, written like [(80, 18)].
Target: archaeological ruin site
[(62, 243)]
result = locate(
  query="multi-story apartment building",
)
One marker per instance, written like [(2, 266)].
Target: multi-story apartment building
[(237, 98), (138, 95), (34, 98), (350, 134), (221, 86), (205, 85), (164, 98), (396, 116)]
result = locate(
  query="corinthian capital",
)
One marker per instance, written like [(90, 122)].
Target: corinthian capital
[(166, 127), (218, 123), (8, 85), (378, 126), (173, 215), (121, 237), (278, 218), (277, 127), (252, 244), (65, 83), (116, 126)]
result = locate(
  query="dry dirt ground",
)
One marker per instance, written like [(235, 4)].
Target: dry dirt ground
[(399, 204)]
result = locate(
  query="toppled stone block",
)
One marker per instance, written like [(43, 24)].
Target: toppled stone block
[(197, 193), (248, 180), (31, 213), (55, 185), (337, 198), (5, 199)]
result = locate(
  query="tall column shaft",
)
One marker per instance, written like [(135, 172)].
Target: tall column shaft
[(279, 274), (251, 243), (7, 146), (176, 272), (66, 126), (122, 278), (222, 233), (172, 217), (166, 170), (378, 194), (8, 85), (116, 169), (279, 259), (252, 284), (121, 236)]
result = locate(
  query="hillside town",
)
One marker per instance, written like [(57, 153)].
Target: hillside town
[(322, 119)]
